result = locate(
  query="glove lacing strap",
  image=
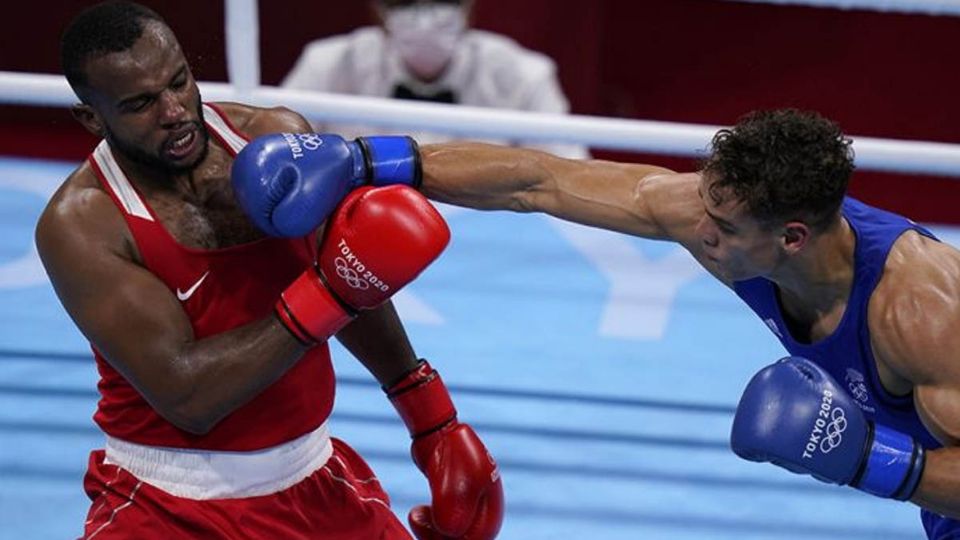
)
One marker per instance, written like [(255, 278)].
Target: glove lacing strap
[(876, 481), (305, 285), (422, 400), (367, 152)]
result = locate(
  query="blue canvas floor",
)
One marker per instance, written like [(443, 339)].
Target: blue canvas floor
[(601, 370)]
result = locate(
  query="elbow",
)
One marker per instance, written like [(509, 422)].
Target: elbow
[(537, 188), (187, 419), (536, 195), (525, 202), (186, 408)]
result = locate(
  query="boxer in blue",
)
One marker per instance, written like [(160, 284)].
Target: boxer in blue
[(867, 302)]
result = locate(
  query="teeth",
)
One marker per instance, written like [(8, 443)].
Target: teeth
[(182, 141)]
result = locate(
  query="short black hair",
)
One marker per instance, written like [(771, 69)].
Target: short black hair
[(784, 165), (105, 28)]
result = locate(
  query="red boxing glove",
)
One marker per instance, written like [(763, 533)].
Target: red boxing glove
[(377, 241), (465, 485)]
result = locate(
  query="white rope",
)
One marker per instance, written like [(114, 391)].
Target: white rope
[(667, 138), (928, 7)]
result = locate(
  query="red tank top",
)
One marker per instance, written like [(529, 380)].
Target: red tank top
[(219, 290)]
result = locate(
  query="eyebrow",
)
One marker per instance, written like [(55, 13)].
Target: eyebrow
[(126, 101), (720, 220), (715, 217)]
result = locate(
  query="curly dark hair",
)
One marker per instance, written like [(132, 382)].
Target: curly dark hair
[(105, 28), (784, 165)]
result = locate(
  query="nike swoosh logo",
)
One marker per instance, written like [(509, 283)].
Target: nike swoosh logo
[(183, 296)]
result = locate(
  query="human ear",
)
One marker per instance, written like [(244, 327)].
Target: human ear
[(795, 236), (88, 118)]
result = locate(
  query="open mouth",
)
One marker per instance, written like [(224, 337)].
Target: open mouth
[(182, 145)]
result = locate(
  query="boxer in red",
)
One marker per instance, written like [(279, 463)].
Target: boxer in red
[(215, 377)]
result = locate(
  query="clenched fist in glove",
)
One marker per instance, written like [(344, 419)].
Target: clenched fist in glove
[(467, 494), (376, 242), (288, 183)]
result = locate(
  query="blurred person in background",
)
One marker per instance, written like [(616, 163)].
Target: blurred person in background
[(425, 50)]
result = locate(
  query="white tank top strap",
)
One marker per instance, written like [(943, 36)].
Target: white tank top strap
[(223, 129), (118, 182), (203, 474)]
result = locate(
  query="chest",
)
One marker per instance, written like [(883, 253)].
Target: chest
[(810, 327), (208, 217), (813, 327)]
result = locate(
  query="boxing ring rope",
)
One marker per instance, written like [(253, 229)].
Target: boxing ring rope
[(666, 138), (927, 7)]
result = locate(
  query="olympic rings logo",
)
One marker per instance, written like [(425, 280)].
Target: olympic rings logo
[(859, 391), (834, 431), (310, 141), (349, 275)]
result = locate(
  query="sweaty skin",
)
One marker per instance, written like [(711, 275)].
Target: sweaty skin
[(913, 315), (145, 101)]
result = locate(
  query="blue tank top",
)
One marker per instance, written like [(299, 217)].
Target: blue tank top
[(846, 353)]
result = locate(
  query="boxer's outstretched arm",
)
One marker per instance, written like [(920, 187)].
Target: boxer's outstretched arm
[(641, 200)]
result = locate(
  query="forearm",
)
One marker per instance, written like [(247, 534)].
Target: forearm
[(378, 340), (216, 375), (939, 488), (484, 176), (597, 193)]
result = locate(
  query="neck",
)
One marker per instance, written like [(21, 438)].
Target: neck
[(820, 277), (152, 179)]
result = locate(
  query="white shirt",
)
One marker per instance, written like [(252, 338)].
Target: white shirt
[(486, 70)]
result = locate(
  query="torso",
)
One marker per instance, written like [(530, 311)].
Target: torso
[(185, 232), (209, 218), (849, 338), (905, 263), (811, 327), (206, 217)]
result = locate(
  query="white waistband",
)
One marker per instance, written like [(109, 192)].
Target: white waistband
[(203, 474)]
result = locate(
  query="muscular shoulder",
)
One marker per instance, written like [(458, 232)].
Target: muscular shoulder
[(674, 202), (915, 310), (81, 212), (914, 315), (255, 121)]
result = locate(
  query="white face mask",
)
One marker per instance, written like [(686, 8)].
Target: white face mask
[(425, 36)]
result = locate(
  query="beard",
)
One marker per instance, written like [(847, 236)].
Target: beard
[(156, 162)]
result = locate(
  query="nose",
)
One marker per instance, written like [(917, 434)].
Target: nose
[(172, 109), (707, 232)]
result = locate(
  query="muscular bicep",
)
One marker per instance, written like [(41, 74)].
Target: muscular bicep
[(939, 408), (641, 200), (914, 315), (125, 311), (936, 390), (627, 198)]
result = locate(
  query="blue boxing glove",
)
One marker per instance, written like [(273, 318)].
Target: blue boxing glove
[(795, 415), (288, 183)]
